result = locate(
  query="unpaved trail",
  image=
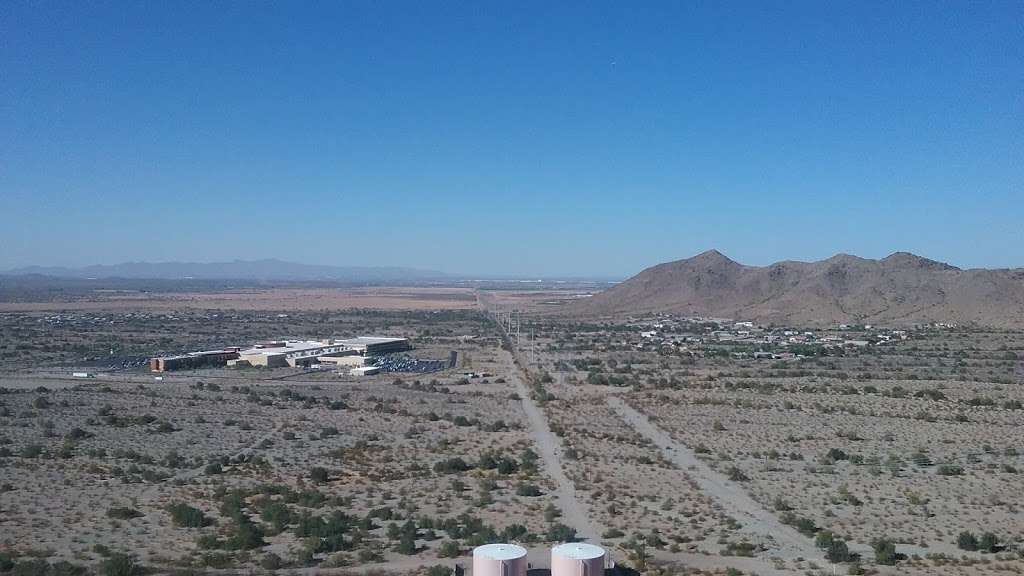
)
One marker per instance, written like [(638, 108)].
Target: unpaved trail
[(736, 502), (575, 513), (550, 449)]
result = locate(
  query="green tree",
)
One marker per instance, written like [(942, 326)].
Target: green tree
[(406, 545)]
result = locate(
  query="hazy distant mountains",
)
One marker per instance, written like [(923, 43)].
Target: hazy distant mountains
[(900, 289), (249, 270)]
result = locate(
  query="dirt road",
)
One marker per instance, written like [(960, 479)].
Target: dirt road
[(756, 520), (550, 450)]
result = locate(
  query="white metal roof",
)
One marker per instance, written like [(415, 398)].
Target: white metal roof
[(366, 340), (500, 551), (290, 346), (305, 345), (578, 551)]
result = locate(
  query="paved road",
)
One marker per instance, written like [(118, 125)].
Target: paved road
[(732, 497)]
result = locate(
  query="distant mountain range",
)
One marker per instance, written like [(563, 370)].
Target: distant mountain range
[(269, 270), (900, 289)]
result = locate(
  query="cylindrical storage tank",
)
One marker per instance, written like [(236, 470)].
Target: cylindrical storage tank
[(577, 559), (499, 560)]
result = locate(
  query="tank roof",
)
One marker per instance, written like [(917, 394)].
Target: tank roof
[(500, 551), (578, 551)]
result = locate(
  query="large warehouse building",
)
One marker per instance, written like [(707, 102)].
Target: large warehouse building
[(306, 352), (280, 353)]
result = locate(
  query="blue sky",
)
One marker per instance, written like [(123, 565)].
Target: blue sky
[(523, 138)]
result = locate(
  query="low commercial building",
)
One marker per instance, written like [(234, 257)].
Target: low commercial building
[(290, 353), (193, 360), (376, 345), (352, 359), (280, 353)]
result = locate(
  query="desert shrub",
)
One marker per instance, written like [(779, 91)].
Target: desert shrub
[(165, 427), (559, 532), (318, 474), (737, 475), (527, 490), (451, 466), (276, 514), (838, 551), (988, 542), (885, 551), (33, 567), (551, 512), (246, 536), (185, 516), (805, 526), (836, 455), (613, 533), (406, 544), (119, 565), (745, 549), (921, 459), (123, 513), (514, 532), (270, 561), (967, 541), (449, 549), (327, 533), (78, 434), (216, 560)]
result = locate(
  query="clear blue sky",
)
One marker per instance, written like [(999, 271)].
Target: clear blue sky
[(510, 137)]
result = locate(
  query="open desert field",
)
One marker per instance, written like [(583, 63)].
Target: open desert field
[(255, 299), (662, 439), (906, 450), (256, 469)]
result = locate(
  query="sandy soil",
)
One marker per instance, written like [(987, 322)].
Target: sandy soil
[(277, 299)]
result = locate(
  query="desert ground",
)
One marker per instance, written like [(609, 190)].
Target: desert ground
[(256, 299), (663, 439)]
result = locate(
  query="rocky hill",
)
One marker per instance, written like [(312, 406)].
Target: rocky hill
[(900, 289)]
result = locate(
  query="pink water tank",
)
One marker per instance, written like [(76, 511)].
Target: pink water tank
[(577, 559), (499, 560)]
